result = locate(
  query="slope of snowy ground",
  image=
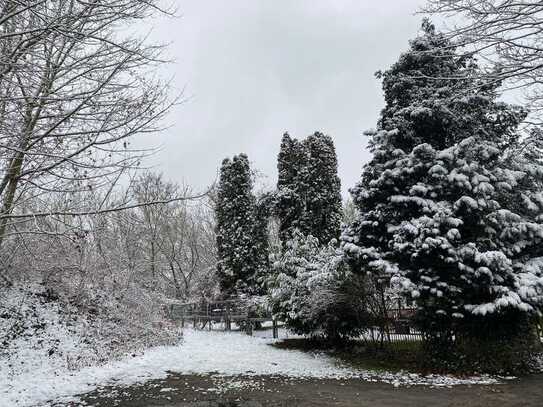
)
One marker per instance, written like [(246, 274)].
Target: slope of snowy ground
[(199, 353)]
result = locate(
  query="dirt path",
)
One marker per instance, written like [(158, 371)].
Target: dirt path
[(260, 391)]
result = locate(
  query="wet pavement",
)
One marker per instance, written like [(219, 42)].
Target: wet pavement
[(268, 391)]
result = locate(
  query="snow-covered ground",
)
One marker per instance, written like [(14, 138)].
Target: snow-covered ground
[(199, 353)]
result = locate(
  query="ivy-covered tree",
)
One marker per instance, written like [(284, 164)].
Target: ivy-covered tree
[(445, 209), (308, 189), (241, 247), (323, 189)]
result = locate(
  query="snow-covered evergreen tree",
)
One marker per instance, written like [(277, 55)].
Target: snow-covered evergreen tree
[(445, 210), (290, 196), (242, 255), (308, 188), (323, 188)]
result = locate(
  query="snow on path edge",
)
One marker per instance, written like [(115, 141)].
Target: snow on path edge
[(200, 352)]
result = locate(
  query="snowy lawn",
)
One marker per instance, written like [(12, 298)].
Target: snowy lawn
[(200, 353)]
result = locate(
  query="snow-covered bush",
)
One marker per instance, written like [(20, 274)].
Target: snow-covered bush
[(95, 274), (41, 326), (315, 293), (450, 206)]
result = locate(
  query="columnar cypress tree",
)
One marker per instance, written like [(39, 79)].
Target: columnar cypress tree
[(323, 189), (241, 254), (444, 211), (290, 198), (308, 188)]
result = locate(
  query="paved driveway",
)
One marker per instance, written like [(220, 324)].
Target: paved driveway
[(264, 391)]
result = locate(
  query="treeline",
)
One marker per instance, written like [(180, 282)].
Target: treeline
[(113, 274), (75, 90)]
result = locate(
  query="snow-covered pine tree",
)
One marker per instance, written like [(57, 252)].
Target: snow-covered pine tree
[(323, 188), (290, 196), (444, 210), (241, 254)]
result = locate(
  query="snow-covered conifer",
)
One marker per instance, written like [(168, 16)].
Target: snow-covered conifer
[(290, 196), (241, 254), (308, 188), (323, 188), (445, 210)]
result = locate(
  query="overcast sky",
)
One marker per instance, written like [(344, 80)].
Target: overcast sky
[(253, 69)]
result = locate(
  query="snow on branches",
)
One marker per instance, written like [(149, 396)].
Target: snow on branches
[(444, 209)]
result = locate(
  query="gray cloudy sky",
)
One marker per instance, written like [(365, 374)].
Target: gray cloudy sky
[(254, 69)]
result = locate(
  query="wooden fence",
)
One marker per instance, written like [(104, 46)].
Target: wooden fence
[(205, 315), (225, 313), (397, 332)]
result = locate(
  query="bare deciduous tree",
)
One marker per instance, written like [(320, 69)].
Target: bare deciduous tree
[(74, 90), (507, 34), (179, 240)]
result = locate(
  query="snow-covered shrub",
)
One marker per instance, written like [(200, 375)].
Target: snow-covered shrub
[(41, 327), (315, 293), (126, 319), (94, 282), (256, 306)]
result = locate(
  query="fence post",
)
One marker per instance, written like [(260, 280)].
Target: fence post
[(208, 317), (274, 328), (227, 318)]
